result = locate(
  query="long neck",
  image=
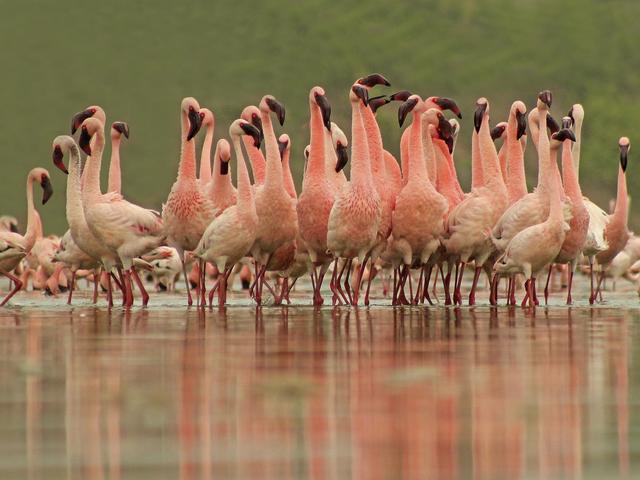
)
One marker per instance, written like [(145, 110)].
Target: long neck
[(115, 176), (477, 179), (75, 212), (187, 168), (417, 164), (289, 184), (94, 165), (205, 156), (569, 174), (490, 164), (360, 168), (221, 185), (620, 214), (317, 148), (32, 217), (429, 157), (517, 181), (376, 149), (258, 163), (446, 177), (245, 192), (404, 154), (502, 157), (541, 140), (576, 146), (273, 175)]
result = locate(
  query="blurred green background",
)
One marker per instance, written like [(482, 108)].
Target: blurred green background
[(138, 59)]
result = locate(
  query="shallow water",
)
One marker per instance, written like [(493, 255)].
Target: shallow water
[(170, 392)]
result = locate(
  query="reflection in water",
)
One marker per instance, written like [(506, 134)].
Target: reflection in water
[(332, 393)]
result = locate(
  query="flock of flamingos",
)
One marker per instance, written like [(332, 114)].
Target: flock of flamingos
[(411, 218)]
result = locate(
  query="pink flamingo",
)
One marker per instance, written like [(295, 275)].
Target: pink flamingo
[(616, 232), (13, 246), (231, 234), (516, 129), (278, 222), (499, 132), (125, 228), (336, 157), (536, 246), (467, 225), (118, 129), (188, 211), (73, 257), (258, 163), (221, 190), (284, 146), (355, 215), (579, 223), (318, 194)]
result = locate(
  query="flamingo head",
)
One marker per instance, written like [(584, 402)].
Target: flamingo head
[(359, 93), (560, 136), (519, 109), (412, 104), (576, 113), (318, 97), (376, 102), (624, 145), (306, 152), (499, 131), (191, 108), (284, 145), (241, 127), (567, 122), (208, 120), (544, 100), (118, 129), (61, 145), (442, 126), (401, 96), (91, 111), (340, 144), (482, 107), (552, 125), (444, 103), (9, 223), (41, 176), (372, 80), (269, 104), (252, 115), (87, 130)]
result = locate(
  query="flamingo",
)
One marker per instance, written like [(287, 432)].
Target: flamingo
[(188, 210), (284, 147), (515, 144), (8, 224), (318, 194), (278, 222), (73, 257), (231, 235), (118, 129), (209, 122), (616, 232), (536, 246), (13, 246), (355, 215), (258, 163), (125, 228), (467, 225), (336, 156), (220, 188), (499, 132)]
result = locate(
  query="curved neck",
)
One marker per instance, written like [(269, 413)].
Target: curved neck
[(577, 129), (477, 179), (360, 168), (569, 174), (187, 168), (74, 210), (273, 176), (32, 217), (205, 156), (115, 175), (317, 146), (94, 165), (220, 185), (245, 192)]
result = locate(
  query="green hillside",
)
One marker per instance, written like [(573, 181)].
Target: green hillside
[(138, 59)]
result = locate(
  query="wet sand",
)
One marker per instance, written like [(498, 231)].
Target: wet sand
[(375, 393)]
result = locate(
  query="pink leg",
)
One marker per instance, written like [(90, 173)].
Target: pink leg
[(427, 279), (71, 286), (592, 296), (546, 286), (446, 283), (569, 299), (109, 292), (143, 291), (472, 293), (96, 282), (17, 285), (419, 286)]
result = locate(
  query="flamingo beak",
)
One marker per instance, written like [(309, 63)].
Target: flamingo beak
[(195, 122), (496, 132), (552, 125), (361, 93), (256, 122), (449, 104), (325, 110), (249, 129), (624, 153), (449, 142), (479, 115), (521, 120), (566, 122), (570, 115), (373, 80), (282, 147), (376, 102), (78, 118), (445, 130), (564, 134), (401, 96), (277, 108), (122, 128), (405, 108), (224, 167), (546, 97), (57, 159), (47, 189), (84, 141), (343, 157)]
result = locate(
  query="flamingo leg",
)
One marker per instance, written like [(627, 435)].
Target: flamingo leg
[(96, 281), (17, 285), (457, 293), (71, 286), (446, 283), (472, 293), (109, 292), (427, 280), (143, 291), (185, 274), (533, 288), (347, 284), (415, 299), (569, 299), (546, 287)]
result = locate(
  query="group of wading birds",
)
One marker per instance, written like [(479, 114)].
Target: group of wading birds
[(411, 218)]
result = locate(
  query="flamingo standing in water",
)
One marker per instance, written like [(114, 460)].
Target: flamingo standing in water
[(123, 227), (13, 246), (616, 232), (355, 216), (188, 210), (231, 235)]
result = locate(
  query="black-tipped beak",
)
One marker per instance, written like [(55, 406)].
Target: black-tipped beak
[(253, 132), (496, 132), (449, 141), (401, 96), (564, 134), (624, 153), (566, 122), (195, 122), (546, 97), (47, 189), (277, 108), (521, 120), (373, 80), (13, 227), (84, 141), (449, 104), (445, 130), (224, 167), (80, 117), (570, 115), (479, 115), (361, 93), (122, 128), (405, 108), (376, 102), (282, 147), (325, 110), (57, 159), (343, 157), (256, 122), (552, 125)]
